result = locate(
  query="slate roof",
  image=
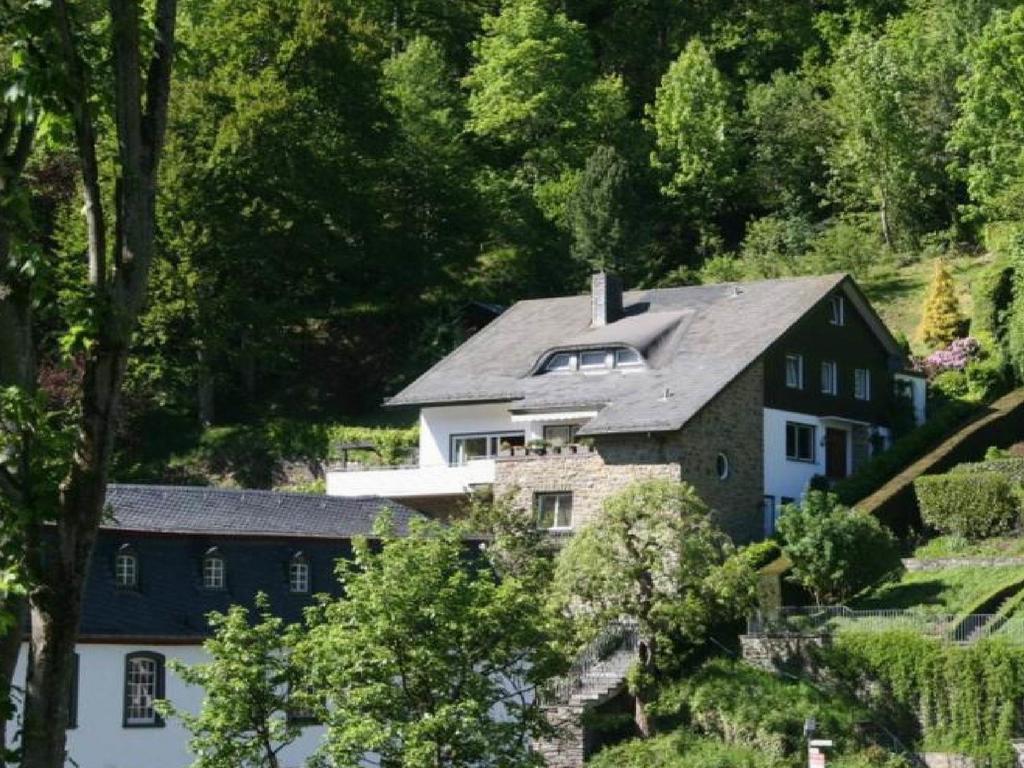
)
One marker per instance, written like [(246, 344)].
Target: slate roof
[(696, 340), (225, 511)]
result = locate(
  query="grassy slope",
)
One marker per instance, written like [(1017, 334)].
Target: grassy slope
[(952, 590), (951, 546), (898, 293)]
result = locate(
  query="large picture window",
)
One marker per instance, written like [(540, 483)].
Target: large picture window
[(483, 445), (554, 510), (800, 441), (143, 685), (560, 434)]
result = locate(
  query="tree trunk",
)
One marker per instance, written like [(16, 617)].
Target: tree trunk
[(883, 214), (644, 726)]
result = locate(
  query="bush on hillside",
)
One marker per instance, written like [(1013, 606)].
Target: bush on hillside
[(680, 749), (992, 296), (941, 321), (973, 506), (836, 552), (1010, 467)]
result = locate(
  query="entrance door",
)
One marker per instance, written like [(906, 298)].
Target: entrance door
[(835, 453)]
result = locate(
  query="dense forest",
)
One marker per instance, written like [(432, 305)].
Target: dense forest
[(345, 180)]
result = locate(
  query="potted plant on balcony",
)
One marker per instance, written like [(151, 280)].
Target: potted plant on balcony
[(536, 447), (584, 445), (504, 448), (518, 450)]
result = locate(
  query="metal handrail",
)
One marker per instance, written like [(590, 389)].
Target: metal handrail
[(834, 619), (617, 637)]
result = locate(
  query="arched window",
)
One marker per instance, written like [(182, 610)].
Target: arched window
[(126, 568), (298, 574), (143, 686), (214, 569)]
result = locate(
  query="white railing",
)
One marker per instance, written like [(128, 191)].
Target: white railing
[(836, 619)]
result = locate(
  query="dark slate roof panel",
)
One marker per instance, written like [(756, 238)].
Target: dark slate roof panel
[(721, 330), (224, 511)]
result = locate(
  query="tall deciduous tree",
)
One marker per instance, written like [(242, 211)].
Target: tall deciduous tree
[(422, 651), (135, 60), (654, 555)]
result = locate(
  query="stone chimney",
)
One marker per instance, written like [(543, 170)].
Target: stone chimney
[(605, 298)]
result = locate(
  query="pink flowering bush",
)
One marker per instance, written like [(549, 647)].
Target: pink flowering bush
[(955, 357)]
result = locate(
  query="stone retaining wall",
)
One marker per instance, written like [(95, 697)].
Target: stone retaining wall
[(566, 747), (782, 653), (942, 563)]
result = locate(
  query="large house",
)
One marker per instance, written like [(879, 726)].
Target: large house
[(745, 390), (164, 559)]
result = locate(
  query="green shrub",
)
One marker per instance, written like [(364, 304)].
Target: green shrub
[(974, 506), (992, 294), (960, 698), (759, 554), (744, 706), (680, 750), (1010, 467), (836, 552), (952, 385)]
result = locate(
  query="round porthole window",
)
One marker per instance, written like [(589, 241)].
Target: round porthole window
[(722, 466)]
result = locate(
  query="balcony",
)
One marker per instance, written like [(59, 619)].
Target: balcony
[(410, 481)]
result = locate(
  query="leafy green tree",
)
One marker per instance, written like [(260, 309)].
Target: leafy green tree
[(693, 125), (941, 321), (252, 687), (421, 651), (603, 212), (836, 552), (653, 555), (989, 131), (775, 246)]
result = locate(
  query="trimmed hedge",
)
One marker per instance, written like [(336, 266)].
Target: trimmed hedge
[(974, 506), (1010, 468)]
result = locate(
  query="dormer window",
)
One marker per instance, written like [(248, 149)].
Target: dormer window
[(593, 360), (214, 569), (563, 361), (126, 568)]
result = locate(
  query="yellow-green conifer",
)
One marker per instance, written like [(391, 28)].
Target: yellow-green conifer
[(941, 321)]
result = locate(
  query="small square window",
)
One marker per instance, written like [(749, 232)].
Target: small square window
[(795, 371), (627, 358), (837, 310), (554, 510), (562, 361), (800, 442), (829, 379), (862, 384)]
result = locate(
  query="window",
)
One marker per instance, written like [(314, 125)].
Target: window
[(829, 379), (837, 310), (795, 371), (126, 568), (862, 384), (562, 361), (143, 685), (560, 434), (483, 446), (554, 510), (593, 360), (799, 442), (298, 574), (627, 358), (213, 569), (722, 467)]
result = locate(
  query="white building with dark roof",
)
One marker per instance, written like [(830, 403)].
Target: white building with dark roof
[(745, 390)]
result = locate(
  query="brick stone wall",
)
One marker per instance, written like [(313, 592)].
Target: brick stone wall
[(567, 746), (732, 424), (782, 653)]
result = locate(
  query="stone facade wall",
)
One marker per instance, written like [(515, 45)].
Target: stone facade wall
[(731, 424), (782, 653)]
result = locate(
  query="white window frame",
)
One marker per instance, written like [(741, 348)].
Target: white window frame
[(492, 444), (549, 428), (837, 310), (796, 381), (214, 571), (605, 364), (795, 456), (571, 357), (560, 497), (298, 575), (829, 377), (862, 383), (126, 569), (635, 362), (143, 686)]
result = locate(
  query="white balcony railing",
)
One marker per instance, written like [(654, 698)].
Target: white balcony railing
[(404, 482)]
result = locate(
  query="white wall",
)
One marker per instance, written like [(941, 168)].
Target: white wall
[(437, 425), (100, 740)]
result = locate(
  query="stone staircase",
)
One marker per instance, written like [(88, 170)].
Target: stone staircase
[(603, 680), (599, 672)]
